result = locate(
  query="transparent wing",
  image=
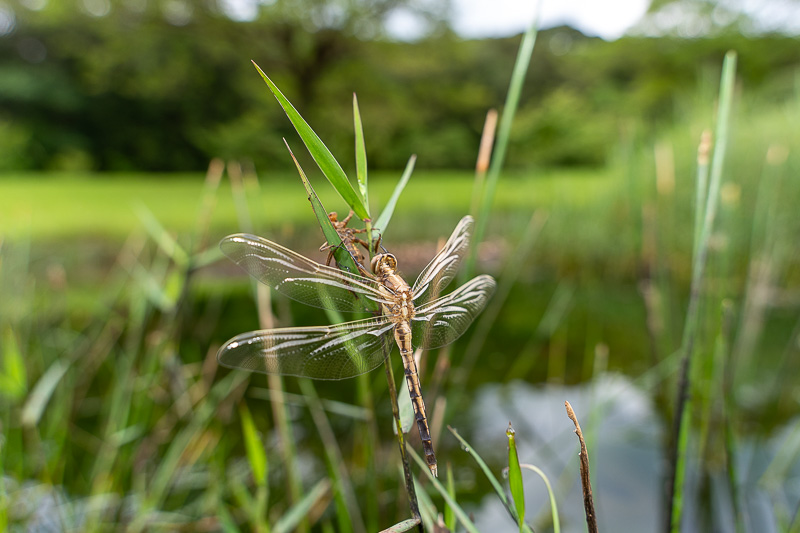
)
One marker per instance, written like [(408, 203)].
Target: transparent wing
[(326, 352), (435, 277), (301, 278), (445, 319)]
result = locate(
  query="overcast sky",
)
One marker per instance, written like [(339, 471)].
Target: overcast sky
[(608, 19), (499, 18)]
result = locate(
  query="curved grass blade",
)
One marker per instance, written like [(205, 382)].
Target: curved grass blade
[(485, 468), (515, 477), (386, 214), (553, 505), (343, 258), (42, 392), (322, 156), (489, 475)]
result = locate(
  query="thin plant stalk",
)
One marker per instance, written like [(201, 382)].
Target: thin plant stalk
[(683, 408), (334, 455), (484, 157), (274, 382), (503, 135), (551, 496), (401, 442), (586, 484)]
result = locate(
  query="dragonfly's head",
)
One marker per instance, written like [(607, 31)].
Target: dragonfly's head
[(383, 262)]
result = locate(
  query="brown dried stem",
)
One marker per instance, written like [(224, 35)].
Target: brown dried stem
[(588, 502), (401, 441)]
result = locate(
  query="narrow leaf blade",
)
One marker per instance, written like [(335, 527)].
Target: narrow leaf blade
[(300, 510), (255, 449), (344, 259), (386, 214), (322, 156), (361, 153), (515, 477)]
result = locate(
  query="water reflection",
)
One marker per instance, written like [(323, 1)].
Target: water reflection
[(624, 439)]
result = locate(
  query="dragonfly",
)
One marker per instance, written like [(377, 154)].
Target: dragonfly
[(410, 316), (349, 240)]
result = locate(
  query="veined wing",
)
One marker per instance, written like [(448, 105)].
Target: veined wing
[(301, 278), (443, 320), (444, 265), (325, 352)]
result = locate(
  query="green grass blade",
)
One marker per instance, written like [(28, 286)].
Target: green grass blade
[(170, 462), (361, 154), (319, 152), (42, 392), (161, 236), (300, 510), (13, 376), (553, 504), (344, 490), (503, 134), (515, 477), (487, 472), (343, 258), (459, 512), (684, 404), (449, 515), (427, 510), (256, 454), (386, 215)]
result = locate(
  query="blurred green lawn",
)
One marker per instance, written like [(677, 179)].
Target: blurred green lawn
[(43, 206)]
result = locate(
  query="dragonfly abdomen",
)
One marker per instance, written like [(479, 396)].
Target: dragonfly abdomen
[(402, 334)]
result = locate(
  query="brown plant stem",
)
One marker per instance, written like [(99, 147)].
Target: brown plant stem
[(588, 502), (401, 441)]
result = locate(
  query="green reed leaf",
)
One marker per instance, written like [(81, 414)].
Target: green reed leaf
[(515, 477), (361, 153), (386, 215), (343, 258), (319, 152)]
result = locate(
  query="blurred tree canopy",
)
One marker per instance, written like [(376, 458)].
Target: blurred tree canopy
[(146, 85)]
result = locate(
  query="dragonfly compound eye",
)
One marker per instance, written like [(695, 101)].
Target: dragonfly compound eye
[(383, 260)]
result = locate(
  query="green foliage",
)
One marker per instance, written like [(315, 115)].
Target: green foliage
[(157, 95)]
